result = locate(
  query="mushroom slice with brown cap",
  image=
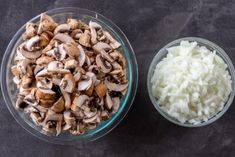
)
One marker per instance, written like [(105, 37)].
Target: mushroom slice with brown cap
[(31, 42), (57, 67), (103, 64), (60, 53), (88, 113), (46, 94), (69, 120), (30, 30), (85, 38), (115, 87), (26, 81), (116, 104), (30, 54), (72, 50), (36, 118), (58, 106), (46, 103), (41, 72), (91, 119), (101, 46), (44, 60), (113, 43), (44, 83), (67, 99), (76, 33), (78, 102), (93, 26), (62, 28), (95, 81), (20, 103), (100, 90), (52, 116), (73, 23), (68, 83), (108, 101), (46, 23), (104, 115), (82, 56), (85, 83), (30, 98), (64, 38), (71, 64), (15, 71), (116, 55), (45, 38)]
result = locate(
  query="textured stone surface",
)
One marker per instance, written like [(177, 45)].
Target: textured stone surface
[(149, 25)]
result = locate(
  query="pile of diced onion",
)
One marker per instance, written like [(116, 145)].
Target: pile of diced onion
[(191, 83)]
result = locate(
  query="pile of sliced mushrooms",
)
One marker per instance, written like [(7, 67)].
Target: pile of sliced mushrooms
[(70, 76)]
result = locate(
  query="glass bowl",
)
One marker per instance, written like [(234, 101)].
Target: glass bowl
[(201, 42), (9, 90)]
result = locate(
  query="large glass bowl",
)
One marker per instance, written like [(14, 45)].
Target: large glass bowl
[(201, 42), (9, 90)]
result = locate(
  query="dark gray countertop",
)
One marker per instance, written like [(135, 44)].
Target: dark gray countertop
[(149, 25)]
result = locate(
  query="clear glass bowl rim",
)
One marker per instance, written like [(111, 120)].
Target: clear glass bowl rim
[(162, 53), (127, 105)]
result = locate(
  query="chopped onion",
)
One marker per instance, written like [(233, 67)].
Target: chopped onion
[(191, 83)]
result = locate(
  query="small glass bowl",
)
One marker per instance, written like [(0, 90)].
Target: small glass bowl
[(9, 90), (162, 54)]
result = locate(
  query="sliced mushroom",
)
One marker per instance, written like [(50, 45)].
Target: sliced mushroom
[(116, 55), (108, 101), (36, 118), (93, 26), (44, 60), (30, 98), (44, 39), (115, 87), (58, 106), (60, 53), (69, 120), (72, 50), (62, 28), (67, 99), (76, 34), (85, 39), (85, 83), (116, 104), (101, 46), (46, 94), (46, 103), (30, 30), (64, 38), (71, 64), (31, 42), (104, 115), (91, 119), (113, 43), (15, 71), (30, 54), (44, 83), (103, 64), (26, 81), (82, 56), (73, 23), (46, 23), (57, 67), (101, 90), (89, 91), (20, 103), (78, 102), (68, 83)]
